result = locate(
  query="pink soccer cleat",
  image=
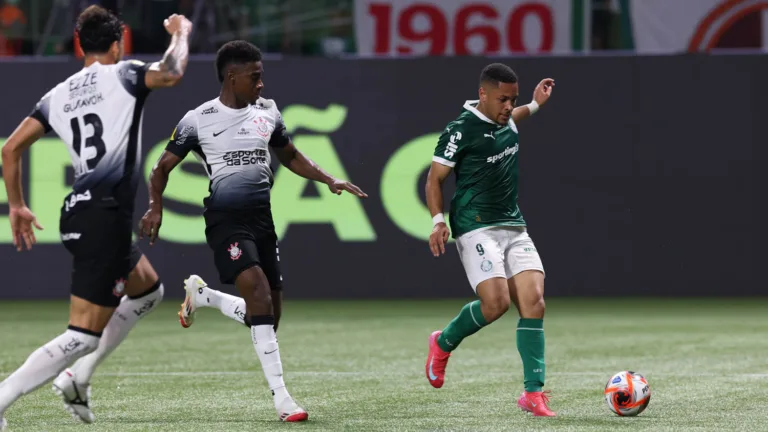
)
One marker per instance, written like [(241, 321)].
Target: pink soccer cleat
[(535, 403), (437, 360)]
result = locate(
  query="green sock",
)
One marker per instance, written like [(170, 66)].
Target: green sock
[(466, 323), (530, 344)]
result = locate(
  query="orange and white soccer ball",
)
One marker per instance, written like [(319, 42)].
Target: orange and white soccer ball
[(627, 393)]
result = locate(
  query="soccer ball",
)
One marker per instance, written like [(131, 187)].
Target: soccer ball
[(627, 393)]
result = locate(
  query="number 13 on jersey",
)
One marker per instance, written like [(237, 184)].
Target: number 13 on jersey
[(86, 135)]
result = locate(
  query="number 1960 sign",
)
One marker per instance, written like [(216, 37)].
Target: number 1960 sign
[(456, 27)]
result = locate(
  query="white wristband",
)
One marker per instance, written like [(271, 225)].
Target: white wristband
[(438, 218), (533, 107)]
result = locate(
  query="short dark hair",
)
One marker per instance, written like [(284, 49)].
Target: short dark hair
[(235, 52), (496, 73), (97, 29)]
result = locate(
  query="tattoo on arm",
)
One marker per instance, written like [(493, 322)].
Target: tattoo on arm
[(170, 69)]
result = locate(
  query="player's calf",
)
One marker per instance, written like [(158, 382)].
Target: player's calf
[(528, 289), (46, 362), (73, 385), (143, 293), (126, 316), (252, 284)]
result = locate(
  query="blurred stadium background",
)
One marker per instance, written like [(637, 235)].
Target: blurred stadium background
[(642, 181)]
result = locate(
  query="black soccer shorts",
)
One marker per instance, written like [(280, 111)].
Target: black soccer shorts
[(243, 239), (103, 254)]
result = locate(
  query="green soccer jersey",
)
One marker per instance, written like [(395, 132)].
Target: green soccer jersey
[(483, 155)]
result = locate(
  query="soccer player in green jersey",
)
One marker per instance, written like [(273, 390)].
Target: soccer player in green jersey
[(498, 255)]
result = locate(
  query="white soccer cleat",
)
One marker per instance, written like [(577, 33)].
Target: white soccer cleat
[(192, 285), (74, 395), (289, 411)]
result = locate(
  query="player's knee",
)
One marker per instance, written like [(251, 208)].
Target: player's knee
[(540, 306), (142, 279), (534, 309), (495, 307)]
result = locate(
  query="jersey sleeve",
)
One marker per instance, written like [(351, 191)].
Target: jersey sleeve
[(132, 74), (448, 149), (280, 137), (41, 111), (184, 137)]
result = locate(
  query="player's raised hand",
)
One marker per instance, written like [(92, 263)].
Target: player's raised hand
[(150, 224), (543, 91), (337, 186), (439, 238), (176, 23), (22, 221)]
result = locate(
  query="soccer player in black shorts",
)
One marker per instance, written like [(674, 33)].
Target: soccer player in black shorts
[(97, 112), (232, 135)]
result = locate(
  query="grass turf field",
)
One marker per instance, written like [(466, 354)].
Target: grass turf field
[(359, 366)]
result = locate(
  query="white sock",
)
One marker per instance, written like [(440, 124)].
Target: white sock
[(231, 306), (122, 322), (44, 364), (265, 343)]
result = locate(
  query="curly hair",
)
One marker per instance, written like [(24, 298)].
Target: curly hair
[(235, 52), (97, 29)]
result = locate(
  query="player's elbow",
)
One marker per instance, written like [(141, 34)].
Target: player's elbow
[(164, 79), (171, 79), (433, 180), (9, 153)]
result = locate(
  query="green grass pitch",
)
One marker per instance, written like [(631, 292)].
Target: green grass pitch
[(359, 366)]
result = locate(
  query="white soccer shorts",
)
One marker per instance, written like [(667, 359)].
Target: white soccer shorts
[(497, 252)]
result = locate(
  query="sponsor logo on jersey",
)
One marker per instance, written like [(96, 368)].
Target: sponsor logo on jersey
[(87, 80), (211, 110), (128, 74), (75, 198), (260, 106), (85, 91), (234, 252), (452, 147), (185, 131), (80, 103), (262, 126), (245, 157), (70, 236), (507, 152)]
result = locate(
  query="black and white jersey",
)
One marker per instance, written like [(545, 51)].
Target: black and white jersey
[(97, 112), (233, 146)]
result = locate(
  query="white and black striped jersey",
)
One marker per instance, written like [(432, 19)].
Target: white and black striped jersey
[(98, 112), (233, 146)]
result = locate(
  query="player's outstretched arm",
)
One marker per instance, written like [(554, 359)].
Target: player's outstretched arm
[(168, 71), (434, 192), (158, 180), (21, 218), (541, 95), (301, 165)]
